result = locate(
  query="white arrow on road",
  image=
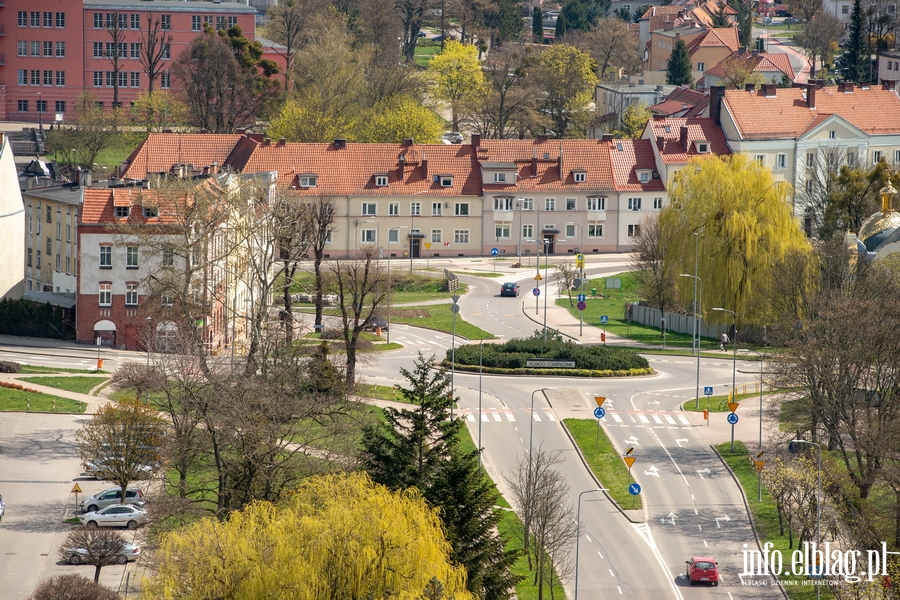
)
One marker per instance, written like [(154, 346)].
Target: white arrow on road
[(653, 402), (702, 472), (669, 518), (685, 440), (726, 518), (633, 440), (652, 471)]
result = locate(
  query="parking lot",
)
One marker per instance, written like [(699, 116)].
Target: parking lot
[(39, 466)]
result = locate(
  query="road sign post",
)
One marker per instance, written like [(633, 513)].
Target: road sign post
[(708, 390), (629, 462), (599, 412), (604, 320), (494, 253), (733, 419)]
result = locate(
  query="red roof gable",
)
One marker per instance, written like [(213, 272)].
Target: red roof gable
[(590, 156), (673, 151), (627, 157)]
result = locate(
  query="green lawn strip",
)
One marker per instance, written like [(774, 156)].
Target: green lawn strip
[(717, 403), (440, 318), (606, 464), (511, 529), (48, 370), (81, 385), (765, 517), (21, 401), (480, 274), (379, 392)]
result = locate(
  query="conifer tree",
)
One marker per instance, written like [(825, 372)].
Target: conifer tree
[(856, 64), (678, 69), (537, 26), (560, 26)]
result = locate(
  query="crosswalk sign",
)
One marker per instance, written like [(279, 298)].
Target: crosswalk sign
[(579, 261)]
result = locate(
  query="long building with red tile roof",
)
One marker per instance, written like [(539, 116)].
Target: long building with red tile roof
[(675, 141)]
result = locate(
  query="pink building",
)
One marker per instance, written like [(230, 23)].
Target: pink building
[(51, 51)]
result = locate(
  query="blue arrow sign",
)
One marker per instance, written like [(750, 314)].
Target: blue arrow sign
[(536, 291), (732, 418), (599, 412), (634, 489), (604, 320), (708, 390), (494, 252), (582, 297)]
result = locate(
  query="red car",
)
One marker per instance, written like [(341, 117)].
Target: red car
[(702, 569)]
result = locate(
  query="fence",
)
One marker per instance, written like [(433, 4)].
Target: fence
[(676, 322)]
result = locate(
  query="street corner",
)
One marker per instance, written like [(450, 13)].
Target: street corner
[(570, 400)]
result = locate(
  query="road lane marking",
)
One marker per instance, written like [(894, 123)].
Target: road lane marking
[(643, 419), (620, 589), (617, 418), (484, 417), (598, 552), (683, 420), (611, 573), (510, 417), (656, 419)]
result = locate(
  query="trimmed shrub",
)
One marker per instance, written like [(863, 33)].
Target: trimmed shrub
[(7, 366)]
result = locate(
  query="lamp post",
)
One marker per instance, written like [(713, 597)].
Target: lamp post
[(734, 360), (578, 532), (818, 494), (531, 426), (398, 228), (546, 277), (580, 291), (149, 319), (697, 309), (696, 279), (480, 369)]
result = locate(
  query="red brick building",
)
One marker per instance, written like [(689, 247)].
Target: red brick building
[(52, 51)]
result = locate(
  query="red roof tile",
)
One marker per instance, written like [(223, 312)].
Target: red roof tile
[(162, 150), (673, 152), (99, 202), (720, 37), (627, 156), (591, 156), (760, 63)]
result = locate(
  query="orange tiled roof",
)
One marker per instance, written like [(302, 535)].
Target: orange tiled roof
[(626, 157), (162, 150), (591, 156), (787, 115), (673, 152), (99, 203), (715, 38), (761, 63)]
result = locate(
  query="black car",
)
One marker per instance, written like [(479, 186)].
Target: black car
[(509, 289), (378, 322)]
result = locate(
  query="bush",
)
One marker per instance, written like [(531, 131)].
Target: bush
[(71, 587), (7, 366)]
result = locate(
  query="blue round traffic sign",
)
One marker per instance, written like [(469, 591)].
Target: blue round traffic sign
[(599, 412), (634, 489), (494, 252), (536, 291), (732, 418), (582, 305)]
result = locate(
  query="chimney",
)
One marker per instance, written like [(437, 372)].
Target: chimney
[(282, 141), (240, 131), (78, 178), (846, 87), (768, 90), (716, 93), (684, 138), (167, 131), (86, 179), (887, 84), (407, 142), (749, 87), (424, 167), (741, 50), (204, 171), (660, 143), (811, 95), (267, 141), (607, 137), (476, 140), (541, 138), (214, 168), (533, 165), (401, 161), (340, 143), (203, 131), (561, 175)]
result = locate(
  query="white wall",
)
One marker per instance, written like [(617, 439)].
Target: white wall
[(12, 226)]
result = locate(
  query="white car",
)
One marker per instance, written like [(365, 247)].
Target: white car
[(115, 515), (2, 507), (129, 552)]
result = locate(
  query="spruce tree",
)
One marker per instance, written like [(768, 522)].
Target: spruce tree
[(856, 64), (537, 26), (560, 26), (678, 69)]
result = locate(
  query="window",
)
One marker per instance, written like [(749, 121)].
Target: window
[(393, 235), (22, 47), (135, 21), (122, 211), (876, 156), (501, 231), (309, 181), (446, 180), (68, 265), (49, 245), (368, 209), (59, 230), (781, 161), (232, 21), (570, 203), (580, 176), (595, 230), (415, 209), (550, 204), (436, 235), (22, 18), (150, 212), (831, 134), (98, 49), (29, 257), (98, 78), (135, 79), (29, 224), (436, 209), (60, 19), (570, 230), (195, 23), (644, 177), (528, 231), (503, 204), (701, 66), (394, 209), (110, 78), (68, 233), (527, 203), (166, 21), (60, 49), (38, 265), (896, 156), (98, 20), (131, 294), (809, 186), (48, 79), (220, 23), (48, 19), (381, 180), (35, 19), (761, 159), (123, 79), (105, 294), (702, 147), (634, 204), (499, 177), (596, 203), (105, 257), (845, 9), (23, 77), (48, 49), (23, 105), (208, 20), (461, 209), (166, 299), (135, 50), (49, 214), (368, 236), (164, 81), (61, 80), (461, 236), (35, 48), (131, 257), (167, 51), (851, 158), (657, 203), (168, 257), (810, 159), (634, 230)]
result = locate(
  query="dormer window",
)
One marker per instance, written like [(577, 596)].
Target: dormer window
[(122, 212), (308, 181), (580, 176), (702, 146), (446, 180), (381, 180), (499, 178), (667, 129), (644, 175), (151, 212)]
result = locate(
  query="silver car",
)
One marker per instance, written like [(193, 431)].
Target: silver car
[(133, 495), (129, 552), (115, 515), (2, 507)]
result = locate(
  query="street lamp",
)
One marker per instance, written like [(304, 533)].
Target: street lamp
[(546, 277), (697, 310), (734, 360), (818, 494), (761, 357), (531, 427), (398, 228), (578, 532), (149, 319), (580, 291)]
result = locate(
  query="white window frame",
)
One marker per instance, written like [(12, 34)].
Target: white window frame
[(105, 294), (308, 181), (446, 180), (810, 159), (634, 204), (528, 231), (131, 257), (394, 209), (573, 202), (876, 156), (368, 236), (761, 159), (527, 203), (570, 230), (595, 230), (499, 177), (657, 203), (415, 209), (644, 177), (150, 212), (503, 204), (105, 257), (596, 203), (381, 180), (579, 176), (369, 209), (131, 294), (781, 161), (461, 209), (437, 235), (437, 209), (549, 204), (460, 236), (634, 230), (501, 231)]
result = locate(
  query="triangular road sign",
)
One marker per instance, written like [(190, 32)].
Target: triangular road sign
[(599, 400), (76, 489), (629, 460), (733, 406)]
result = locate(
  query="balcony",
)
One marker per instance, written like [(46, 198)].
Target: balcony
[(2, 29)]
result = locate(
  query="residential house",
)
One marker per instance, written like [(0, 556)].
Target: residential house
[(681, 102), (51, 249), (889, 67), (680, 13), (712, 47), (773, 67), (675, 141), (12, 225)]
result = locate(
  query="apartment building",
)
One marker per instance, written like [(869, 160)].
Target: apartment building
[(12, 225), (51, 246)]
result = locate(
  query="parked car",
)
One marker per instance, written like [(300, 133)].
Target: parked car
[(77, 556), (133, 495), (115, 515), (422, 34), (378, 320), (454, 137), (99, 468), (702, 569), (2, 507), (509, 288)]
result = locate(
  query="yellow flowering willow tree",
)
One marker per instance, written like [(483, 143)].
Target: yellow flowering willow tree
[(746, 228), (457, 76), (337, 536)]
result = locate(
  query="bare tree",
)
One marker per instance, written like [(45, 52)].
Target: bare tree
[(71, 587), (116, 26), (564, 277), (820, 35), (412, 13), (612, 44), (91, 132), (804, 10), (656, 275), (380, 27), (321, 214), (507, 98), (101, 547), (154, 48), (287, 21)]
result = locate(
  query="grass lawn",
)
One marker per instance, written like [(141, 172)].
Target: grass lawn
[(605, 462), (19, 401), (81, 385), (405, 288), (379, 392), (765, 517), (510, 527), (716, 403), (46, 370), (480, 274), (425, 51), (438, 317)]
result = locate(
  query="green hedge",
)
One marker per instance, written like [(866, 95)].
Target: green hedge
[(512, 355), (550, 372), (31, 319)]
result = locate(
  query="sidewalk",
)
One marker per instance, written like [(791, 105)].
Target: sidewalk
[(93, 402)]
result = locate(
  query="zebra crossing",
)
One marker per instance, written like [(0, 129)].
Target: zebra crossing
[(614, 418), (494, 415)]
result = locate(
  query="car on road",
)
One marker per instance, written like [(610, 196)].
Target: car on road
[(77, 556), (702, 569), (2, 507), (454, 137), (115, 515), (133, 495), (378, 322), (510, 288), (442, 38), (422, 34)]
